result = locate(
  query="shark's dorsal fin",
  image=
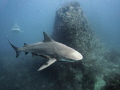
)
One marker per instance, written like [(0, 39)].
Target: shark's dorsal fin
[(25, 45), (47, 38)]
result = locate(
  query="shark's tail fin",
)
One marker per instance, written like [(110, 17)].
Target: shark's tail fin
[(15, 48)]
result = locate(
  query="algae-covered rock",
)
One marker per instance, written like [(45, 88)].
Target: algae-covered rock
[(113, 81), (100, 83), (72, 28)]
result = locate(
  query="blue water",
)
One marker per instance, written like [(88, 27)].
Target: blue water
[(36, 16)]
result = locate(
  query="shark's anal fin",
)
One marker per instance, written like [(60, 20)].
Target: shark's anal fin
[(26, 53), (34, 54), (48, 63)]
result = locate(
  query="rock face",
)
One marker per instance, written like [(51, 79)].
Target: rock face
[(72, 28), (70, 24)]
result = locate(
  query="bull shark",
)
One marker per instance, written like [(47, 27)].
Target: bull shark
[(51, 50)]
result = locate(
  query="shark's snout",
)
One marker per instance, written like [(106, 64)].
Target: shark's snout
[(76, 55)]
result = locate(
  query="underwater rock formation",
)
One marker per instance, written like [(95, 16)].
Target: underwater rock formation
[(72, 28)]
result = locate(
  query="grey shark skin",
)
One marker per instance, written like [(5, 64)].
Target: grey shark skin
[(51, 50)]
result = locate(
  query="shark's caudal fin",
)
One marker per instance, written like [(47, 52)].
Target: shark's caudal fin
[(15, 48)]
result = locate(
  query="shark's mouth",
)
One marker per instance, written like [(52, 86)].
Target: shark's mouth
[(66, 60)]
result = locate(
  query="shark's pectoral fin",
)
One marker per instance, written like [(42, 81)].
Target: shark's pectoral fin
[(51, 61)]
